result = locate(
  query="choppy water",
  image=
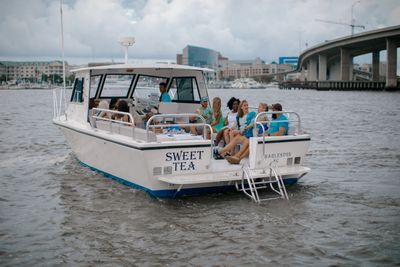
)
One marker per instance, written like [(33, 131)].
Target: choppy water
[(346, 212)]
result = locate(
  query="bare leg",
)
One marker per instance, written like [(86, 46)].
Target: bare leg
[(244, 150), (231, 146), (227, 138), (220, 135)]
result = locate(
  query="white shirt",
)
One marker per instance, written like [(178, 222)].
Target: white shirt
[(231, 118)]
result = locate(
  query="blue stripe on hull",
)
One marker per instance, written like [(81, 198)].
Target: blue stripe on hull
[(172, 193)]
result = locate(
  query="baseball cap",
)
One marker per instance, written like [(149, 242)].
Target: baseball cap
[(204, 99)]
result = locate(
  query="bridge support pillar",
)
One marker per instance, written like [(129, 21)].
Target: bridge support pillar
[(391, 64), (302, 75), (312, 70), (322, 66), (375, 66), (345, 64)]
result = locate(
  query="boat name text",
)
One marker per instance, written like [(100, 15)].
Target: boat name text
[(279, 155), (183, 160)]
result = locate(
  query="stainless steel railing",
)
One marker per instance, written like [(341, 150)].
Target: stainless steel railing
[(174, 117), (261, 123), (109, 118)]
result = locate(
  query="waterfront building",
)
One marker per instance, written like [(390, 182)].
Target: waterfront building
[(226, 69), (31, 70), (202, 57), (252, 69), (288, 60), (199, 57)]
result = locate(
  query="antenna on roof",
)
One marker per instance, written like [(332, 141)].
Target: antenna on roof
[(127, 42)]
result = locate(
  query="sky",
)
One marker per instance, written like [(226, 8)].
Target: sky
[(30, 29)]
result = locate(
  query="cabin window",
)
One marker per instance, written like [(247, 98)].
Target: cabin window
[(117, 85), (77, 93), (184, 89), (148, 86), (94, 85)]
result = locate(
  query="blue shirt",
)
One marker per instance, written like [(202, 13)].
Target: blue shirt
[(249, 120), (165, 97), (275, 124)]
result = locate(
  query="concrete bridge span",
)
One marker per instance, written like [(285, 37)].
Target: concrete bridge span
[(333, 60)]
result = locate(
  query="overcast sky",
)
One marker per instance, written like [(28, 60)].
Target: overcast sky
[(30, 29)]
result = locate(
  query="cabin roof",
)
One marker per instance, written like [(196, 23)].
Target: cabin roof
[(143, 66)]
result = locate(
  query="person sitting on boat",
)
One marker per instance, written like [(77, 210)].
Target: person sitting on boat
[(229, 121), (243, 140), (111, 106), (241, 130), (205, 112), (164, 97), (103, 105), (217, 122), (263, 119), (122, 106), (279, 124)]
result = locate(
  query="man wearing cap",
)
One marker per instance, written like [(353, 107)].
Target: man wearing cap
[(204, 111)]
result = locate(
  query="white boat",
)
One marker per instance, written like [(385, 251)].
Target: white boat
[(168, 164), (246, 83)]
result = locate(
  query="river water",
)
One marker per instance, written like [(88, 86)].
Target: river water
[(346, 212)]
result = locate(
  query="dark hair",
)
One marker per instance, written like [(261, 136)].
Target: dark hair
[(123, 106), (113, 102), (277, 106), (163, 84), (231, 101)]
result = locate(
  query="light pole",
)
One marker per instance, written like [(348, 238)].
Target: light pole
[(352, 22)]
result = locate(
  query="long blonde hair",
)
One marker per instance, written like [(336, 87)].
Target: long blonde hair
[(240, 111), (216, 107)]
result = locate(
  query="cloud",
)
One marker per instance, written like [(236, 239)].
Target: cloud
[(162, 28)]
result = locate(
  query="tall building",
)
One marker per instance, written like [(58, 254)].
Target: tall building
[(200, 57)]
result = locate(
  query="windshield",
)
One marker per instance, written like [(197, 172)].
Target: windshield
[(117, 85), (148, 86)]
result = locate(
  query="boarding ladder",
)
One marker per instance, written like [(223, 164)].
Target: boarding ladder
[(250, 185)]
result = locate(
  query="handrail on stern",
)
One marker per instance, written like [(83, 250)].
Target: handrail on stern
[(183, 115), (109, 113)]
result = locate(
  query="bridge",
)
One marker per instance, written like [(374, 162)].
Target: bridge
[(332, 61)]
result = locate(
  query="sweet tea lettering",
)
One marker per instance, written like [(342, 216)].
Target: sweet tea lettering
[(183, 160)]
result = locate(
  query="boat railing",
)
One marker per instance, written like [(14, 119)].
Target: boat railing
[(173, 117), (261, 123), (98, 112)]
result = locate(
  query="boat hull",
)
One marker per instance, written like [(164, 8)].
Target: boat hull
[(135, 166)]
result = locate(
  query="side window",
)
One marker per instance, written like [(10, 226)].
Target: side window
[(77, 93), (184, 90), (94, 85), (117, 85)]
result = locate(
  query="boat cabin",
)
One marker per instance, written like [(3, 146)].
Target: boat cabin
[(138, 85)]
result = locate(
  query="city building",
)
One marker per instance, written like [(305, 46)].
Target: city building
[(288, 60), (199, 57), (202, 57), (252, 69), (31, 70), (226, 69)]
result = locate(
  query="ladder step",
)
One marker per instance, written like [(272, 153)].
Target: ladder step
[(250, 185)]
